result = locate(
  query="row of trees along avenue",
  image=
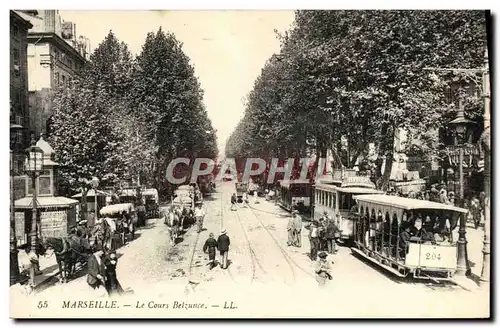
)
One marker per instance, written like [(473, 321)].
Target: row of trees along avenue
[(125, 118), (345, 79)]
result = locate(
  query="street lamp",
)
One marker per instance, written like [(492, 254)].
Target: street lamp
[(461, 126), (95, 183), (14, 264), (34, 165)]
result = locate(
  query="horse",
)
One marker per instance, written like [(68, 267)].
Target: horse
[(173, 224), (178, 212), (68, 252)]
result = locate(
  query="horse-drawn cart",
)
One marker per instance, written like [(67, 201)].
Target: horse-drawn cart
[(121, 219)]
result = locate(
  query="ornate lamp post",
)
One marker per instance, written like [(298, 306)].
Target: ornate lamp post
[(34, 166), (14, 264), (461, 126)]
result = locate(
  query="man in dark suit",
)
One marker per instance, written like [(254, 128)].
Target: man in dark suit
[(223, 243), (96, 275)]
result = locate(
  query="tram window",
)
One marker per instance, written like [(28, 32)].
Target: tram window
[(346, 201), (395, 221)]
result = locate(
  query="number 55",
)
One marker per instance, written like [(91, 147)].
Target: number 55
[(42, 304)]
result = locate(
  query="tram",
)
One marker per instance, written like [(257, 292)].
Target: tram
[(295, 196), (407, 236), (338, 199)]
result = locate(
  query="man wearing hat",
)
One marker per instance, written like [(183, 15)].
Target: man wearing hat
[(323, 269), (223, 243), (314, 239)]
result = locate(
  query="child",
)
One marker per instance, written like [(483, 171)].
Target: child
[(210, 245)]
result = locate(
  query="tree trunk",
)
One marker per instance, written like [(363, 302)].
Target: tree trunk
[(337, 160), (355, 158), (383, 182), (84, 211)]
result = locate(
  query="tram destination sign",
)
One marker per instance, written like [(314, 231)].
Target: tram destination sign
[(469, 150)]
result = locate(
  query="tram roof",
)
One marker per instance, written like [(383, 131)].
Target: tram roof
[(407, 203), (348, 190)]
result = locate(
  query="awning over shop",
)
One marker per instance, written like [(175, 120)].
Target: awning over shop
[(45, 202)]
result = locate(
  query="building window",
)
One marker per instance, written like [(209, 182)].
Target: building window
[(19, 137), (56, 54), (15, 60), (63, 80), (56, 79)]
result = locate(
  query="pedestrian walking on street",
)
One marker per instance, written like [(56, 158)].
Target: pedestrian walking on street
[(245, 200), (141, 214), (322, 234), (330, 235), (96, 271), (233, 202), (297, 229), (314, 239), (199, 215), (223, 243), (475, 209), (210, 246), (323, 270), (291, 230), (111, 282)]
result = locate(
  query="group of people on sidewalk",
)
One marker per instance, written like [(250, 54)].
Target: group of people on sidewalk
[(322, 238), (323, 234)]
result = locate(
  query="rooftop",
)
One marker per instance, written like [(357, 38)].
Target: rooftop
[(407, 203)]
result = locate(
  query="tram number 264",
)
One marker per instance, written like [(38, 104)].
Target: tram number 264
[(432, 256)]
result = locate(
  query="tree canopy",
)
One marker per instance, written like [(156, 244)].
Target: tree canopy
[(125, 118), (359, 76)]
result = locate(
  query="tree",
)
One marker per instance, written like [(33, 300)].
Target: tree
[(110, 67), (167, 95), (83, 139), (359, 76)]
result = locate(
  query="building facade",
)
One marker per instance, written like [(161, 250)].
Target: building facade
[(19, 110), (55, 56)]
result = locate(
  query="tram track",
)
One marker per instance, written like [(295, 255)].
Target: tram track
[(255, 261), (286, 256)]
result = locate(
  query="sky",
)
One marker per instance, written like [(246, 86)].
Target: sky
[(228, 49)]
